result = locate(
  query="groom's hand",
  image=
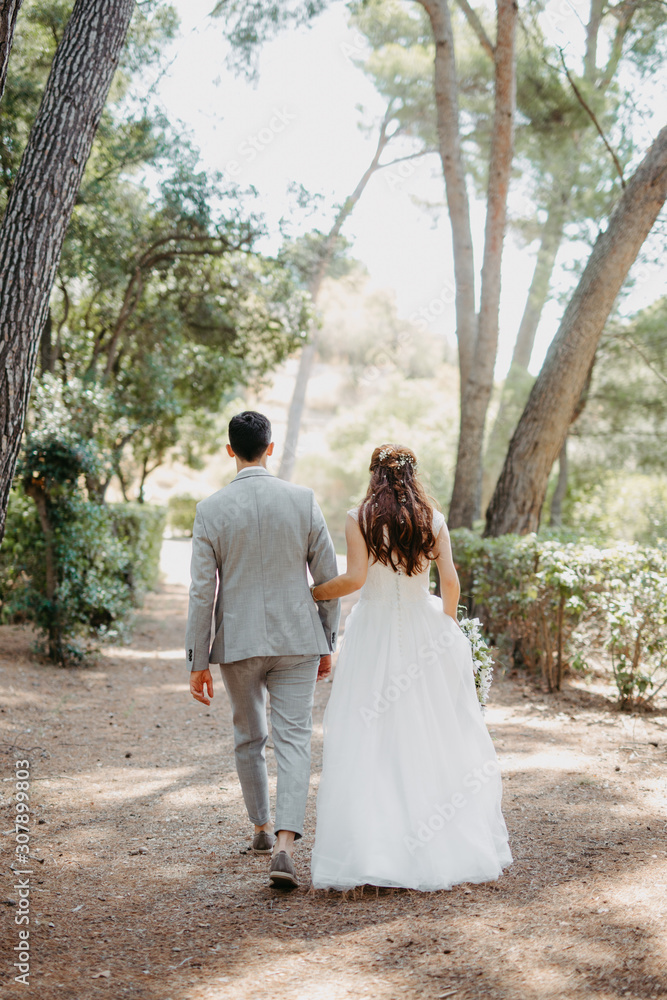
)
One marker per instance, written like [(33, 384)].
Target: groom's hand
[(325, 667), (200, 679)]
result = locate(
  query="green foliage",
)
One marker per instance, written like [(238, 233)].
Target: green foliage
[(618, 447), (21, 557), (38, 31), (181, 513), (91, 601), (162, 310), (162, 307), (607, 504), (399, 61), (139, 528), (635, 607), (545, 601), (72, 566), (624, 424), (248, 24), (303, 256)]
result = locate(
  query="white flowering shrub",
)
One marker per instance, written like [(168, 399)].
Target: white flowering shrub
[(548, 605)]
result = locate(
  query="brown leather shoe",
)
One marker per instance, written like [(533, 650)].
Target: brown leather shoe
[(262, 842), (282, 874)]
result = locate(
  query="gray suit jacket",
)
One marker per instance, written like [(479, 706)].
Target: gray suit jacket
[(252, 542)]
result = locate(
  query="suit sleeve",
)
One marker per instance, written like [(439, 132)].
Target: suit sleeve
[(204, 578), (323, 567)]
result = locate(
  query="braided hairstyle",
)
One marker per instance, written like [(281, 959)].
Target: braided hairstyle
[(395, 516)]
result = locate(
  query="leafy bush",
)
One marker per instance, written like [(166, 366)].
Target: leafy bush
[(635, 608), (21, 555), (545, 601), (88, 596), (72, 566), (140, 528), (181, 514)]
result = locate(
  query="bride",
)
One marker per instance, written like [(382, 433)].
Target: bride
[(410, 789)]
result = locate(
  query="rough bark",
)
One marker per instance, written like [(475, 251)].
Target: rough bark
[(9, 11), (517, 501), (306, 361), (41, 203), (476, 390)]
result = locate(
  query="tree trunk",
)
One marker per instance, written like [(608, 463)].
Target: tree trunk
[(449, 141), (41, 203), (55, 639), (297, 406), (9, 11), (592, 32), (295, 416), (552, 236), (552, 233), (47, 349), (518, 383), (556, 514), (476, 391), (517, 501)]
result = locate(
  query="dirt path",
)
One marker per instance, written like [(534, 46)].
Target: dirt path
[(141, 886)]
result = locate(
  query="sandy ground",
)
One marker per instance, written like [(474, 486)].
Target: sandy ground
[(142, 885)]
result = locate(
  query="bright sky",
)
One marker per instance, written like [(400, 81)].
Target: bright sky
[(299, 122)]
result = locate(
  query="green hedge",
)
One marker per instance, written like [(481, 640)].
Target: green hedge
[(548, 604), (105, 557), (140, 528), (21, 556)]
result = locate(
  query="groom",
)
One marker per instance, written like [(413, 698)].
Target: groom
[(254, 541)]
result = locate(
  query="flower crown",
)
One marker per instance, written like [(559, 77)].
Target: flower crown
[(401, 458)]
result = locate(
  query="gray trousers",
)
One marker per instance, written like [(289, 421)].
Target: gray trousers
[(290, 683)]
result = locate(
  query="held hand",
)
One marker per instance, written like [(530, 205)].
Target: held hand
[(325, 667), (200, 679)]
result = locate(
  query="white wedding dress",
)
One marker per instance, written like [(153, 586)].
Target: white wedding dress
[(410, 789)]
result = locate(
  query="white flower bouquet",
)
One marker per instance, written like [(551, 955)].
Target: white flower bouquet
[(482, 660)]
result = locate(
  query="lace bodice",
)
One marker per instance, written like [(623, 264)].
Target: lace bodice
[(388, 586)]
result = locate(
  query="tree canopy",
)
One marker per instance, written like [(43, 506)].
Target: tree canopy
[(162, 305)]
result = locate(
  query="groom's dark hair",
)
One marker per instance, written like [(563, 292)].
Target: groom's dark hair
[(249, 435)]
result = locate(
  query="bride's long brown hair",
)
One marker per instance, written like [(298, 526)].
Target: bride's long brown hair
[(395, 516)]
